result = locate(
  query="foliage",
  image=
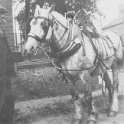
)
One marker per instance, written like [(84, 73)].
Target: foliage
[(21, 20), (84, 10), (89, 5)]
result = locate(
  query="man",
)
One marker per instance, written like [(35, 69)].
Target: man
[(6, 74), (70, 17), (89, 18)]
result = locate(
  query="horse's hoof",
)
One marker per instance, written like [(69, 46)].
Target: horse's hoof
[(112, 113), (92, 119), (91, 122), (77, 121)]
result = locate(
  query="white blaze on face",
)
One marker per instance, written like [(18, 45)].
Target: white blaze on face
[(36, 27)]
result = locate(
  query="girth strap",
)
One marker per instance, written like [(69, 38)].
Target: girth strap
[(97, 54)]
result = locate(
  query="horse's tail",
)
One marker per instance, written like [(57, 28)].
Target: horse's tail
[(120, 53)]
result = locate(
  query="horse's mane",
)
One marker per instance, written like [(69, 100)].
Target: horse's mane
[(60, 18)]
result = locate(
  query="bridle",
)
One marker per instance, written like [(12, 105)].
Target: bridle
[(34, 36), (50, 23)]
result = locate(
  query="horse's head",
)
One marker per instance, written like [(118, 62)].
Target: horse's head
[(39, 26)]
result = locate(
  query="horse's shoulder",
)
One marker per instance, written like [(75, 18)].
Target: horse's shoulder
[(75, 27)]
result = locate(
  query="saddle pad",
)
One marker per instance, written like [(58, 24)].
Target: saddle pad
[(104, 46)]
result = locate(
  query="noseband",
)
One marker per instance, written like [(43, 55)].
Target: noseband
[(35, 37)]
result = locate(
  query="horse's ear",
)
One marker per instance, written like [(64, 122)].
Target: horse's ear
[(52, 8)]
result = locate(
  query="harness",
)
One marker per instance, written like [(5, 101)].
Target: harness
[(98, 62), (69, 47)]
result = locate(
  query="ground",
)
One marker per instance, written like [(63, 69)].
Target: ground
[(31, 87), (63, 115), (67, 120)]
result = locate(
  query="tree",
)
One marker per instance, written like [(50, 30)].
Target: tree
[(84, 9), (88, 5)]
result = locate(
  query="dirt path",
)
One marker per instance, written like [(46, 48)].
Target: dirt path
[(62, 113), (66, 119), (102, 118)]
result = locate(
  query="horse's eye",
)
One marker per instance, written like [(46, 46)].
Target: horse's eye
[(42, 24)]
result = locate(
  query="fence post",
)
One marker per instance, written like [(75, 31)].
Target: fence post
[(27, 15)]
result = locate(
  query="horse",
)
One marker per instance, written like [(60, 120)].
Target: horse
[(76, 52)]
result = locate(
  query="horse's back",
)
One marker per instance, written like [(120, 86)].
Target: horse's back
[(114, 38), (108, 45), (116, 43)]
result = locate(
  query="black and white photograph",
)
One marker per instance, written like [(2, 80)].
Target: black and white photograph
[(61, 61)]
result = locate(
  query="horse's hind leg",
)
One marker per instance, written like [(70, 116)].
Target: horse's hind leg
[(77, 117), (111, 79), (114, 105)]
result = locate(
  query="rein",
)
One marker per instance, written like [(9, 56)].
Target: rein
[(53, 62)]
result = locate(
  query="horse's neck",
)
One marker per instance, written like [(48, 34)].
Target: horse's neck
[(60, 36)]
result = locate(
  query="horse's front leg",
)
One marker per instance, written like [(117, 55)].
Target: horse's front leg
[(81, 105), (92, 114), (78, 110)]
